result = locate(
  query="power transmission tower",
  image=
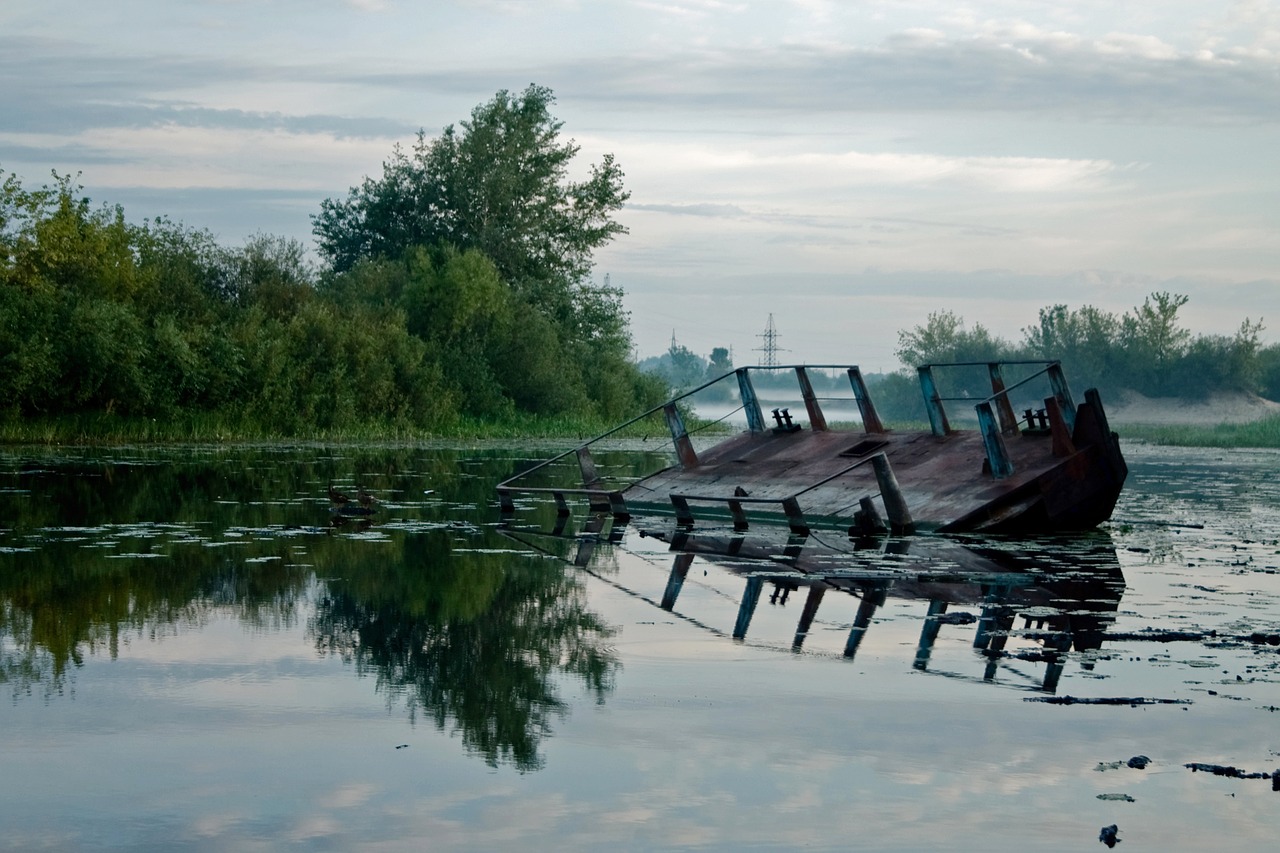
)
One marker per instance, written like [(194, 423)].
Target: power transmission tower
[(770, 347)]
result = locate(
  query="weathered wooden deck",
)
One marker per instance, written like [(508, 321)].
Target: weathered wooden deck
[(1062, 471)]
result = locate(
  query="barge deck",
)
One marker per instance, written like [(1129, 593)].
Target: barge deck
[(1057, 468)]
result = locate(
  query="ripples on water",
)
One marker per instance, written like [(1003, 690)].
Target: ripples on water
[(199, 653)]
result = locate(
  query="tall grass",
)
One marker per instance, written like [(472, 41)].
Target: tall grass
[(218, 428), (1260, 433)]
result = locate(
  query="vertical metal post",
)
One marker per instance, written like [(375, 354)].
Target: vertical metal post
[(1066, 402), (679, 570), (817, 421), (866, 521), (684, 515), (807, 615), (750, 402), (933, 402), (1062, 444), (870, 418), (680, 436), (1004, 409), (929, 634), (587, 543), (871, 599), (591, 480), (795, 517), (993, 608), (750, 598), (895, 505), (618, 505), (993, 441)]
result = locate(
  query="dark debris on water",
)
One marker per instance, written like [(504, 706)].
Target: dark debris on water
[(1234, 772), (1132, 701)]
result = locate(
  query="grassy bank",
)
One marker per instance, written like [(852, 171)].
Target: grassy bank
[(203, 428), (1260, 433), (99, 429)]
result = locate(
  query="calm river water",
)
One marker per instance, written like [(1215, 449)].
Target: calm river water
[(197, 654)]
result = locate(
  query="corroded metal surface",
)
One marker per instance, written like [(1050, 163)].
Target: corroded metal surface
[(944, 480)]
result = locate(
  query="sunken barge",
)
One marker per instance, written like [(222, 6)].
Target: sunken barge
[(1057, 467)]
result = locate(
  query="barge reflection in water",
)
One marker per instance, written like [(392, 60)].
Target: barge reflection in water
[(196, 658), (1064, 591)]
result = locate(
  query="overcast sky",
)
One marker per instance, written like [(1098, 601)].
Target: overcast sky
[(848, 167)]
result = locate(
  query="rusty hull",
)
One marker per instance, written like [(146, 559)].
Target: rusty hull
[(1060, 480), (1061, 470), (945, 480)]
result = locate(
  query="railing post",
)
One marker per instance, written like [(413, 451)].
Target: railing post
[(750, 402), (684, 515), (795, 518), (679, 570), (993, 441), (817, 421), (750, 598), (1066, 403), (1004, 409), (1062, 444), (684, 447), (591, 480), (895, 506), (807, 615), (870, 418), (933, 402), (618, 505)]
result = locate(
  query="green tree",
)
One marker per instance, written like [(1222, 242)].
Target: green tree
[(720, 363), (1087, 342), (500, 185), (944, 338), (496, 188), (1154, 343)]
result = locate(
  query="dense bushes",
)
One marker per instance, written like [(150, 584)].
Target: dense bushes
[(475, 305), (1144, 350)]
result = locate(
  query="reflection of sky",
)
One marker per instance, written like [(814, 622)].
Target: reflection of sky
[(221, 737)]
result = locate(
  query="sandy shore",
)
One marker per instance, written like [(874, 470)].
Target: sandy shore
[(1133, 408)]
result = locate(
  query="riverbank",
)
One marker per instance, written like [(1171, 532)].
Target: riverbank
[(1220, 420), (107, 430), (1235, 420)]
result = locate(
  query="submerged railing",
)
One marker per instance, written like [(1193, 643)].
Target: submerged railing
[(995, 416), (603, 498)]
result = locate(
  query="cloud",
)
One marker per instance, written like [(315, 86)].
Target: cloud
[(1117, 78)]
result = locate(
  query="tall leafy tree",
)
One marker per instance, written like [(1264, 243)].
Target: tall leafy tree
[(499, 184)]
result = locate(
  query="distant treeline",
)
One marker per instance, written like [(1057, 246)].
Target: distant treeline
[(456, 285), (1145, 350)]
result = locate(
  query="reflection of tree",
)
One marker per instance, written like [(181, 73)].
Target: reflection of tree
[(473, 640), (479, 639), (59, 604)]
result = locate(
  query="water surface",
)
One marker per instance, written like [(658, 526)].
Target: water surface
[(196, 653)]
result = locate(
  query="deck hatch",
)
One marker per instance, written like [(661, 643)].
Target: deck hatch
[(862, 448)]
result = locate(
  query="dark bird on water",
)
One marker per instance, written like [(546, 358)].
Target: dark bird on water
[(338, 498), (367, 500)]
